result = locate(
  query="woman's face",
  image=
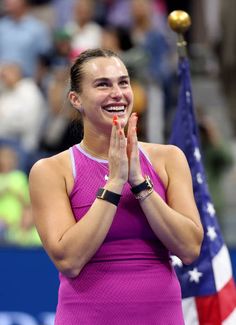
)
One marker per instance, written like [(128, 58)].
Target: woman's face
[(105, 91)]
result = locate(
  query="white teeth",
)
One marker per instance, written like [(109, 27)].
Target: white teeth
[(115, 108)]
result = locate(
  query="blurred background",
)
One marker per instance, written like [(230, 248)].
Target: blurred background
[(39, 39)]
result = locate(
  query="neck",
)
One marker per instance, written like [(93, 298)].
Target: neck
[(97, 147)]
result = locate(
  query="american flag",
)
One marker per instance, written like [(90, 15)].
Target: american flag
[(208, 288)]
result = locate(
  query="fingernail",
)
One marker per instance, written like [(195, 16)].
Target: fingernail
[(115, 117), (115, 122)]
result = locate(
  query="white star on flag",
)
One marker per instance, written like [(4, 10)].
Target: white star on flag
[(199, 178), (197, 154), (176, 261), (210, 209), (211, 233), (194, 275), (188, 97)]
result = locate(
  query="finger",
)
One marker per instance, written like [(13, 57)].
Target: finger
[(113, 139), (132, 121), (129, 127), (128, 130), (122, 143), (133, 130)]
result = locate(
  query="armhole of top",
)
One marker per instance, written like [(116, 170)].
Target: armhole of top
[(145, 154), (72, 158)]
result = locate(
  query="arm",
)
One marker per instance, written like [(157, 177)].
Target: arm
[(71, 244), (177, 222)]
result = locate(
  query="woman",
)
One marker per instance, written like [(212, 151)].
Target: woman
[(110, 209)]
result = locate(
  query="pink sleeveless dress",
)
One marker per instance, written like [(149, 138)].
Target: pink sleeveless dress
[(130, 280)]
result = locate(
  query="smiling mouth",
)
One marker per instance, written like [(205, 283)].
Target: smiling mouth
[(115, 109)]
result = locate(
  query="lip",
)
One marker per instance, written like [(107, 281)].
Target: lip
[(114, 108), (113, 113), (114, 105)]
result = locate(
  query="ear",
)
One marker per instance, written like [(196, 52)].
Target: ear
[(75, 100)]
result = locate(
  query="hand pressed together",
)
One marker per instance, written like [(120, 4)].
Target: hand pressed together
[(124, 164)]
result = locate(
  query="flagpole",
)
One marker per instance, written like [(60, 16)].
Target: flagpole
[(180, 21)]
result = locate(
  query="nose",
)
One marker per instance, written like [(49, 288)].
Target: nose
[(116, 92)]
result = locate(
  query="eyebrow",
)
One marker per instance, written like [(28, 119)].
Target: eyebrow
[(108, 79)]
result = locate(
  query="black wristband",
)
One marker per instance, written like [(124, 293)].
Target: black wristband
[(108, 196), (145, 185)]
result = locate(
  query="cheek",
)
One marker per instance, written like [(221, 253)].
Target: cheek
[(95, 99), (129, 96)]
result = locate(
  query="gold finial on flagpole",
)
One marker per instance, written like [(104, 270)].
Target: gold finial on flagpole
[(180, 21)]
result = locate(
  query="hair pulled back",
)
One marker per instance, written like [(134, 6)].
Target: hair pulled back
[(76, 71)]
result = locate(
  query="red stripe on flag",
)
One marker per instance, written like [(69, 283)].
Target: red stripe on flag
[(213, 310), (227, 297)]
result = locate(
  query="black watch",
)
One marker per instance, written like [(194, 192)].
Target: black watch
[(146, 185), (108, 196)]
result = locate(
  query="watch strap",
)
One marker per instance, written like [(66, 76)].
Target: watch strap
[(145, 185), (108, 196)]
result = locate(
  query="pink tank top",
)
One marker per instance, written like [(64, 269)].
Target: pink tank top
[(130, 279), (129, 222)]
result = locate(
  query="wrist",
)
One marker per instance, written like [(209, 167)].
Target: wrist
[(146, 184), (115, 186), (109, 196), (136, 181)]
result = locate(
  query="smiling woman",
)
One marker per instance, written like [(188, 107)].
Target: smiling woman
[(110, 209)]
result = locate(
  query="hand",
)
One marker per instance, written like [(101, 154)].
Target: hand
[(135, 172), (117, 156)]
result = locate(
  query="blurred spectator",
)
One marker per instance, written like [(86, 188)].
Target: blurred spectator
[(85, 32), (63, 12), (16, 222), (228, 57), (146, 34), (160, 70), (118, 39), (217, 159), (22, 36), (62, 48), (22, 108), (62, 128), (119, 13), (59, 58)]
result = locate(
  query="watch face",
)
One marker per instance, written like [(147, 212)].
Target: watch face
[(149, 182)]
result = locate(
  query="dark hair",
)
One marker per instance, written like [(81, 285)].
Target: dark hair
[(76, 71)]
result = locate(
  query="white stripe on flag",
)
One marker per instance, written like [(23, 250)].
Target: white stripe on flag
[(222, 269), (190, 311), (231, 319)]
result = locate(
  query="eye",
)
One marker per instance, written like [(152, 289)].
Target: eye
[(102, 84), (124, 82)]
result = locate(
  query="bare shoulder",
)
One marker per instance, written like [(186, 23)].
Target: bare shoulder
[(55, 168), (164, 152), (165, 158), (53, 164)]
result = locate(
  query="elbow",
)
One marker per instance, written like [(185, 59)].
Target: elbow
[(66, 265), (191, 256), (193, 251), (68, 268)]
